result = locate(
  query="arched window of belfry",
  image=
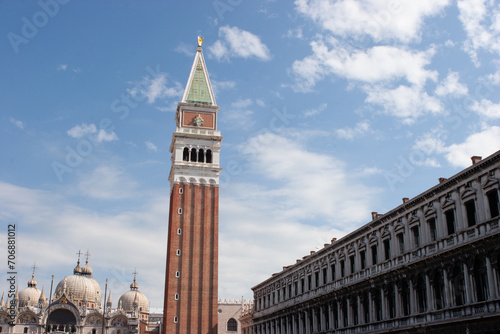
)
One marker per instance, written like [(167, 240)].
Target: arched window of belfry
[(193, 155), (209, 156), (185, 154), (201, 155)]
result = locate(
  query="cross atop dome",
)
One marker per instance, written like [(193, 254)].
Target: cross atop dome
[(135, 274), (87, 255)]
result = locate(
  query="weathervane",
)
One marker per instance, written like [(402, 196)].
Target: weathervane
[(200, 40)]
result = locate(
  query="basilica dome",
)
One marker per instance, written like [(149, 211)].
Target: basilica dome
[(80, 286), (29, 296), (134, 296)]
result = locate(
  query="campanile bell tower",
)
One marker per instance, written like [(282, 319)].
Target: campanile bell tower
[(190, 304)]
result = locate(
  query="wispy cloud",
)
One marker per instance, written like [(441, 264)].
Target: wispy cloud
[(482, 143), (451, 86), (83, 130), (486, 108), (480, 21), (185, 49), (107, 182), (239, 114), (315, 111), (151, 147), (155, 88), (17, 123), (360, 129), (234, 42), (404, 102), (65, 67)]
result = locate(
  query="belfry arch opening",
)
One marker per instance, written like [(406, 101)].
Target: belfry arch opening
[(197, 155)]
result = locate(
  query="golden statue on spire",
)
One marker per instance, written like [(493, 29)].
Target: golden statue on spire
[(200, 40)]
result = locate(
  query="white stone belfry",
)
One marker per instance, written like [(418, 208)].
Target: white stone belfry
[(196, 141)]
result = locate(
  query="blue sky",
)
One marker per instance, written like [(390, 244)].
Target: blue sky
[(329, 110)]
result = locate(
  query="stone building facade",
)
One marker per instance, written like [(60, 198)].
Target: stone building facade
[(229, 314), (431, 265)]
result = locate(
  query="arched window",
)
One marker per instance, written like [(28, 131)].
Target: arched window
[(209, 157), (94, 331), (201, 156), (232, 325), (193, 155), (25, 330), (185, 154), (1, 329)]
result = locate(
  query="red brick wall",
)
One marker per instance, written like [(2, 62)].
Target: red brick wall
[(196, 308)]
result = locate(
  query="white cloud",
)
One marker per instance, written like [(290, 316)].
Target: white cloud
[(185, 49), (376, 64), (315, 111), (486, 108), (295, 33), (406, 103), (430, 143), (151, 147), (17, 123), (244, 103), (219, 86), (83, 130), (107, 182), (482, 143), (379, 19), (314, 185), (62, 67), (451, 86), (104, 136), (79, 131), (155, 88), (494, 77), (235, 42), (481, 21), (369, 171), (239, 114), (360, 129)]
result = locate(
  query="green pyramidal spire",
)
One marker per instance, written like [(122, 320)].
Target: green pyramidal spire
[(198, 88)]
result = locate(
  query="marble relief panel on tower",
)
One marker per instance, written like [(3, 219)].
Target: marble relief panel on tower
[(198, 119)]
